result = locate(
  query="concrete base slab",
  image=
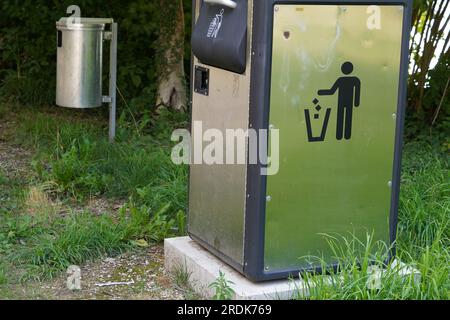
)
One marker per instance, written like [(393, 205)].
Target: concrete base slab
[(185, 255)]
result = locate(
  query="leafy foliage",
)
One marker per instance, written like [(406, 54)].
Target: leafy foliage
[(222, 288), (429, 87)]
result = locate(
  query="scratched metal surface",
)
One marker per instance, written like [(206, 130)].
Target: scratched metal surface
[(218, 192), (330, 187)]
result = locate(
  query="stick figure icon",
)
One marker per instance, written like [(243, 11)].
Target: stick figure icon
[(349, 97)]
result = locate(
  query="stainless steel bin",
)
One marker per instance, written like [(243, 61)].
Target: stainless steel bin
[(326, 77), (79, 62)]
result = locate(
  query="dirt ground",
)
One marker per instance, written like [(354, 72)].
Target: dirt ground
[(131, 276), (14, 160)]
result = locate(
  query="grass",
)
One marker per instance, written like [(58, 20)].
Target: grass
[(84, 164), (11, 193), (74, 162), (63, 242), (45, 244), (4, 111), (3, 276), (425, 199), (182, 278), (423, 241)]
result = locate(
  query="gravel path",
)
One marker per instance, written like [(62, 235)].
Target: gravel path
[(142, 274)]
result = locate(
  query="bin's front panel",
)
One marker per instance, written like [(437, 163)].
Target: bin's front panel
[(334, 98), (79, 68)]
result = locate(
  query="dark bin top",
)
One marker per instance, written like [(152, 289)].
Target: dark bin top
[(219, 37)]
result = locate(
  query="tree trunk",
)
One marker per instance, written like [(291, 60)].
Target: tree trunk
[(171, 82)]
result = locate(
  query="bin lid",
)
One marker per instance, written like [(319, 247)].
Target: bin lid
[(71, 23)]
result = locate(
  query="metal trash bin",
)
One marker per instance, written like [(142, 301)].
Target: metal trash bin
[(331, 77), (79, 63)]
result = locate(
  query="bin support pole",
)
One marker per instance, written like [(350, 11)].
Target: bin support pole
[(113, 83)]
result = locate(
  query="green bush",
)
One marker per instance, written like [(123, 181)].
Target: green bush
[(143, 223), (433, 119), (222, 288)]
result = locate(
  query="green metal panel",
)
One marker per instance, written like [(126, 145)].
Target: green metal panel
[(340, 185)]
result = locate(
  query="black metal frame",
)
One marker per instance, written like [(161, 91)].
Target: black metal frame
[(255, 216)]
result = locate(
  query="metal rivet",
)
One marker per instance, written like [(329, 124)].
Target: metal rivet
[(268, 198), (267, 268), (390, 184), (394, 116), (276, 9), (271, 127)]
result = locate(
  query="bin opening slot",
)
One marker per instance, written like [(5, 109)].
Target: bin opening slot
[(59, 38), (201, 80)]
